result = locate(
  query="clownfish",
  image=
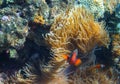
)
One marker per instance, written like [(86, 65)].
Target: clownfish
[(73, 59), (98, 66)]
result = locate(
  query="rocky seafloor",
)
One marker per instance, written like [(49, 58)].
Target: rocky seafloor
[(35, 34)]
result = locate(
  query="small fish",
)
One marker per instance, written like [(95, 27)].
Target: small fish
[(98, 66), (73, 59)]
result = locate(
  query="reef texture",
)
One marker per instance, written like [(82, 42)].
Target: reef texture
[(76, 28), (96, 7), (13, 30), (113, 23), (110, 5)]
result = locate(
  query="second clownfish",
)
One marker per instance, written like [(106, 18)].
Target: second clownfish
[(73, 59), (98, 66)]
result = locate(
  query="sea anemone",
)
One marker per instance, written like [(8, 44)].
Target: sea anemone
[(91, 77), (76, 28), (37, 73)]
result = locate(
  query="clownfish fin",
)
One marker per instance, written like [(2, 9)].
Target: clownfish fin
[(74, 55)]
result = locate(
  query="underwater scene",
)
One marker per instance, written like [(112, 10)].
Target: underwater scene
[(59, 41)]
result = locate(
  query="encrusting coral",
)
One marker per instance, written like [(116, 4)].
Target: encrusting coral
[(96, 7), (110, 5), (39, 19)]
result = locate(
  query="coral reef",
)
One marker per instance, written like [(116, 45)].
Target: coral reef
[(73, 29), (112, 21), (13, 30), (46, 30), (95, 6)]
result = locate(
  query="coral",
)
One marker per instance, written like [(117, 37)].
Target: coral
[(57, 7), (116, 53), (44, 9), (117, 10), (13, 31), (13, 53), (113, 23), (74, 29), (110, 5), (95, 6), (39, 19), (9, 1), (116, 45), (1, 2)]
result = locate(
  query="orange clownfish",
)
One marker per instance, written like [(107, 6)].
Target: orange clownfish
[(72, 59)]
